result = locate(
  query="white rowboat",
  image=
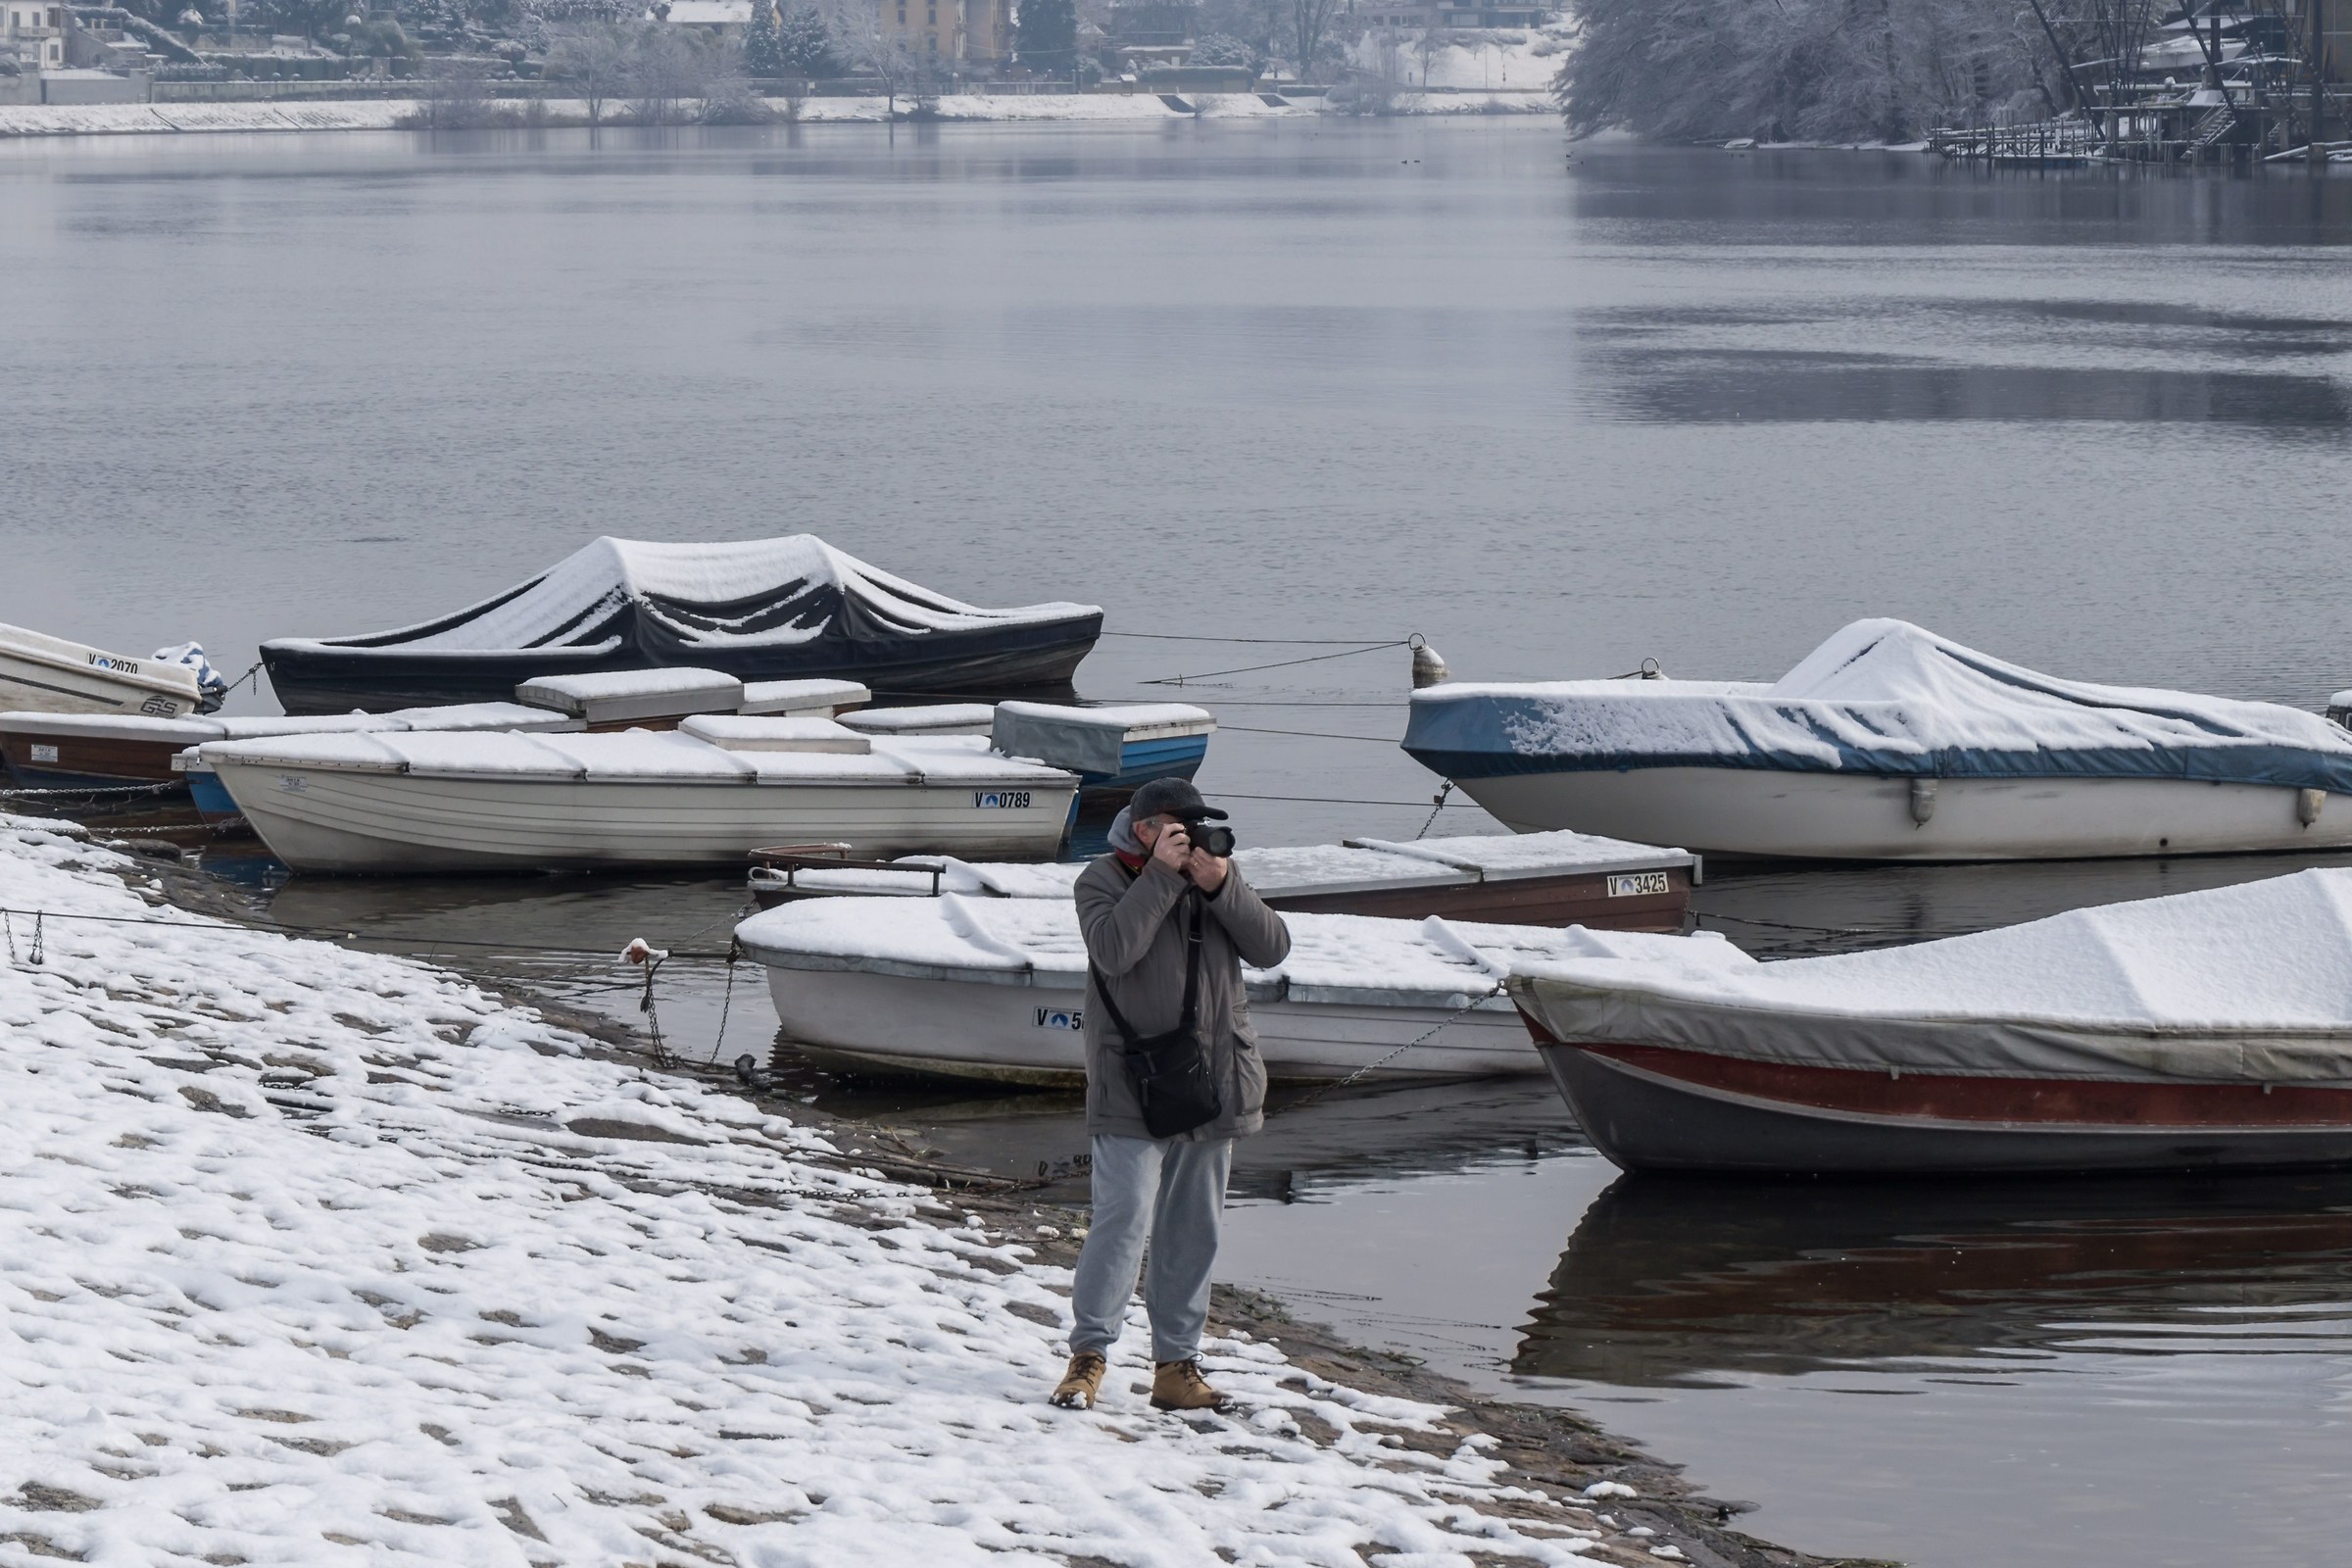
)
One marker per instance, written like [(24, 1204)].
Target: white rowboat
[(372, 803), (44, 675), (995, 989)]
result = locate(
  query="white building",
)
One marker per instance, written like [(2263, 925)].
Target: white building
[(34, 31)]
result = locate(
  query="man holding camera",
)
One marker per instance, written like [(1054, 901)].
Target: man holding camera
[(1172, 1077)]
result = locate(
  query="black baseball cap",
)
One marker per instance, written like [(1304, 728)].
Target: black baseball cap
[(1171, 797)]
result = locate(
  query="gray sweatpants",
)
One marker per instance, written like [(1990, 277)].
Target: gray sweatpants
[(1172, 1193)]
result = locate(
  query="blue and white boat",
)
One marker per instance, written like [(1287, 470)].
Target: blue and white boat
[(1114, 749), (1891, 743)]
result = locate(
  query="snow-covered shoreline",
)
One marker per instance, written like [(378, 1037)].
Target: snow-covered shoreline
[(392, 113), (316, 1255)]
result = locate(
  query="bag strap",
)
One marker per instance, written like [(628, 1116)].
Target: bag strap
[(1192, 980)]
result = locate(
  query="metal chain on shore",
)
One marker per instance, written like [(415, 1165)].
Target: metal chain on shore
[(1435, 1029)]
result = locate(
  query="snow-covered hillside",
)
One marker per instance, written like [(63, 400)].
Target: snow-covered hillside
[(312, 1256), (1513, 60)]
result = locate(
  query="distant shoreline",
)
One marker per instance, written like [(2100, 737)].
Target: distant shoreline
[(26, 121)]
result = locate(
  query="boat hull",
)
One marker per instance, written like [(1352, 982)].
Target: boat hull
[(1661, 1108), (365, 823), (1584, 899), (312, 678), (33, 684), (1031, 1034), (52, 760), (1731, 813)]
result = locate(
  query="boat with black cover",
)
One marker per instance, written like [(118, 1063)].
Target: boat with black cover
[(759, 610)]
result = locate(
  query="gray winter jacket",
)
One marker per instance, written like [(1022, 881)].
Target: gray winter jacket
[(1134, 922)]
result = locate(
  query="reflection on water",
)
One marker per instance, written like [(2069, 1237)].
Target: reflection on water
[(1797, 910), (1684, 1283)]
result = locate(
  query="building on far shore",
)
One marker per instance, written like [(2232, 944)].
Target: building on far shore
[(955, 32), (33, 32)]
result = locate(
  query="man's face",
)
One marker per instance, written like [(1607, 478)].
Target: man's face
[(1149, 828)]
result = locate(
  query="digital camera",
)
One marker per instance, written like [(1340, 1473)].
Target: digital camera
[(1211, 838)]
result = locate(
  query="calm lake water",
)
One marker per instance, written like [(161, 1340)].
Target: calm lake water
[(1324, 380)]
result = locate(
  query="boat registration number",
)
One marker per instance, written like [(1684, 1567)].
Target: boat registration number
[(1633, 884), (43, 754), (292, 783), (1060, 1018), (1000, 799)]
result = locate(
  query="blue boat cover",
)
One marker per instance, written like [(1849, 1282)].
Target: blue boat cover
[(1880, 697)]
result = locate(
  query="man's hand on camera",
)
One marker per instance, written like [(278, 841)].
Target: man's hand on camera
[(1207, 871), (1173, 847)]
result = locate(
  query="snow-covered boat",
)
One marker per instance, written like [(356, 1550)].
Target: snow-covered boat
[(1117, 748), (1112, 749), (759, 609), (2206, 1029), (1889, 743), (44, 675), (69, 750), (708, 792), (1524, 879), (994, 988), (82, 750)]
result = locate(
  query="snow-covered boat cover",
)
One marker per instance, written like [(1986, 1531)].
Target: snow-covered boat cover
[(1334, 958), (928, 719), (1093, 740), (820, 696), (1880, 697), (636, 693), (2248, 983), (670, 599), (634, 757)]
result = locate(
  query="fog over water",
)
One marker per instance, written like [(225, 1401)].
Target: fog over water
[(1338, 381)]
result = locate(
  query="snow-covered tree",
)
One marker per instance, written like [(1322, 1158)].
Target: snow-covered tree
[(806, 45), (764, 42), (1046, 34), (1820, 70), (1221, 49)]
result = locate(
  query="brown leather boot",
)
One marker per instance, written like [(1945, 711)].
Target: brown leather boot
[(1178, 1385), (1082, 1383)]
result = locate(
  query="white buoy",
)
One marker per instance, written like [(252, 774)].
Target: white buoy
[(1428, 667)]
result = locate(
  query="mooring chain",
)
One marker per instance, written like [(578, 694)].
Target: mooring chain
[(1442, 1024)]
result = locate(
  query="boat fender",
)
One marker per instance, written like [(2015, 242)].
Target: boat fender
[(2308, 806), (1429, 666), (1923, 800)]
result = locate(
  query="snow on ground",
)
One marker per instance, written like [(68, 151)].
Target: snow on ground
[(315, 1256), (93, 119), (1500, 60)]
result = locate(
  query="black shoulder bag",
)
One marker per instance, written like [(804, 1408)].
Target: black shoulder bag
[(1170, 1071)]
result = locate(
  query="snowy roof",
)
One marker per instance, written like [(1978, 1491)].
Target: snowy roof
[(1334, 958), (1878, 697), (751, 593), (709, 13)]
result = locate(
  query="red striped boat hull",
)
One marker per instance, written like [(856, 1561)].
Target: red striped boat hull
[(1662, 1108)]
